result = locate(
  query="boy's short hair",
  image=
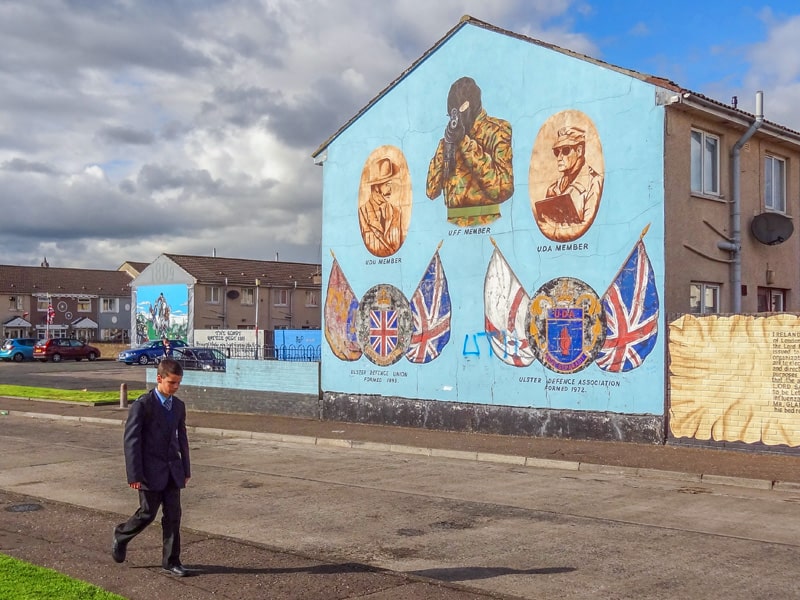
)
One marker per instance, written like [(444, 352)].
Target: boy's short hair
[(169, 366)]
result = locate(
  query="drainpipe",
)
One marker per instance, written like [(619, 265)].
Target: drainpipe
[(735, 245)]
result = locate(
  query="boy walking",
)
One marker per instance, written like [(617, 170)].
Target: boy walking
[(157, 465)]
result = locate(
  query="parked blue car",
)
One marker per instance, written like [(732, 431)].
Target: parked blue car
[(17, 349), (149, 352)]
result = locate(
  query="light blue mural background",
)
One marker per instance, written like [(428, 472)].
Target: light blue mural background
[(524, 84)]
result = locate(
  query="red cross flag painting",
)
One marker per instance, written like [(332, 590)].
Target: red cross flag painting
[(631, 306), (505, 305)]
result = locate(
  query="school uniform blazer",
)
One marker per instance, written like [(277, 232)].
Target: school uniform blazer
[(156, 447)]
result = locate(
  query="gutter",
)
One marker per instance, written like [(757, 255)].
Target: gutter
[(734, 246)]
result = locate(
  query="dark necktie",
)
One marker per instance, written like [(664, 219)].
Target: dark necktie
[(168, 403)]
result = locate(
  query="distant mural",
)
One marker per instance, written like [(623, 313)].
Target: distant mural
[(384, 326), (161, 310), (566, 176), (384, 201), (472, 165)]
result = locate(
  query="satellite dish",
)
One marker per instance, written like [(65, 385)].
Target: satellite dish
[(232, 294), (771, 228)]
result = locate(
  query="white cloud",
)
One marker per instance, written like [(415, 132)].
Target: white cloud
[(128, 129)]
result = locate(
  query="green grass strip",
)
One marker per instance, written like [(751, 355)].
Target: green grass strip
[(23, 391), (20, 580)]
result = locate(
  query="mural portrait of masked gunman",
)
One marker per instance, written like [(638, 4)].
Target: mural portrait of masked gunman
[(472, 164)]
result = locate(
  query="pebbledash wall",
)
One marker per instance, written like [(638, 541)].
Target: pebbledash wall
[(468, 285), (271, 387)]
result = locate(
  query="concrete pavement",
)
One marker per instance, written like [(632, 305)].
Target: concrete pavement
[(236, 556)]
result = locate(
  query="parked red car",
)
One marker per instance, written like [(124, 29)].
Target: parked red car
[(56, 349)]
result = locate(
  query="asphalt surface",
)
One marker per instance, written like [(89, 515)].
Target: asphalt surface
[(73, 535)]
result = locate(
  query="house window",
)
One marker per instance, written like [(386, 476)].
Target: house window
[(248, 296), (212, 294), (705, 163), (109, 305), (42, 304), (703, 298), (312, 298), (775, 184), (84, 305), (280, 297), (771, 300), (15, 303)]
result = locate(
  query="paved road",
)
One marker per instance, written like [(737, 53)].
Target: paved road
[(100, 375), (501, 528)]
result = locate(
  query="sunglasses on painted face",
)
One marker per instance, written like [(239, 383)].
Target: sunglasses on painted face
[(563, 151)]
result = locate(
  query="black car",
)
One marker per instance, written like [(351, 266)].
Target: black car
[(200, 359)]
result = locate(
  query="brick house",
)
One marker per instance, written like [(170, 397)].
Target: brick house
[(87, 304)]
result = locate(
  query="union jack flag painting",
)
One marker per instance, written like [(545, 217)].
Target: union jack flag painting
[(430, 312), (383, 331), (631, 306)]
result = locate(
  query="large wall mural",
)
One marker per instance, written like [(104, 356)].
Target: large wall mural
[(553, 302)]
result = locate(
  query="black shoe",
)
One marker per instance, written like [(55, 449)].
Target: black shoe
[(118, 551), (176, 570)]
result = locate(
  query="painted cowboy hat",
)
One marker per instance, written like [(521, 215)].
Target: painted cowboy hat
[(381, 171)]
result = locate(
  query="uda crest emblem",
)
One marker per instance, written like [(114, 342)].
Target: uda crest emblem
[(565, 325)]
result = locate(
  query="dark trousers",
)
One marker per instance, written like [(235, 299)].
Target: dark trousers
[(170, 501)]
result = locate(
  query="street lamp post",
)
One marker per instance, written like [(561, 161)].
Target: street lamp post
[(258, 283)]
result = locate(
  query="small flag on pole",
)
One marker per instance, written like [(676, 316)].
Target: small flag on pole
[(51, 314)]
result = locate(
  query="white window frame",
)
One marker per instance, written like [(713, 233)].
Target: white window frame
[(84, 305), (280, 297), (774, 184), (705, 297), (312, 298), (248, 296), (109, 305), (213, 294), (777, 300), (42, 304), (705, 163), (16, 303)]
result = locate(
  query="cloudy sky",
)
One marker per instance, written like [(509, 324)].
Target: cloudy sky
[(129, 128)]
